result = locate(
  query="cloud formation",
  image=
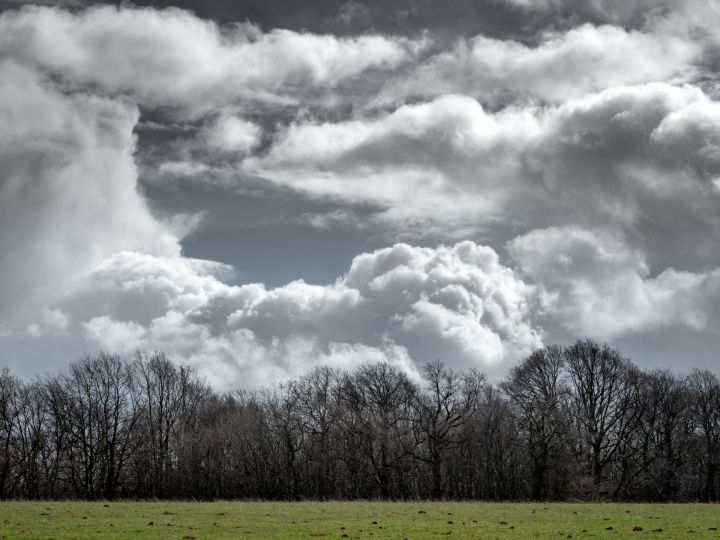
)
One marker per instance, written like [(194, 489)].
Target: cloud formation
[(67, 189), (403, 304), (568, 178), (564, 65), (172, 58), (597, 284), (618, 156)]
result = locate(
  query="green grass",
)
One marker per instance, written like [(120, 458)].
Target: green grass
[(356, 520)]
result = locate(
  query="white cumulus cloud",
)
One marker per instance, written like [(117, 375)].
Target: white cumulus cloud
[(404, 304), (598, 285)]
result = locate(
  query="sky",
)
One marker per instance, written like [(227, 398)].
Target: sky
[(258, 188)]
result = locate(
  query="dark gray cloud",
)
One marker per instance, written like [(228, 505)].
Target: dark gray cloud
[(404, 17)]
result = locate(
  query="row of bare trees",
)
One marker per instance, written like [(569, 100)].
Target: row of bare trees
[(576, 422)]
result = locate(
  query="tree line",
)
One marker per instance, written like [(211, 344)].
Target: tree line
[(568, 423)]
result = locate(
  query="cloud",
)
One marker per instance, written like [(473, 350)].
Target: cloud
[(67, 189), (564, 65), (121, 337), (615, 11), (404, 304), (440, 160), (643, 158), (615, 158), (640, 164), (598, 285), (171, 57), (231, 134), (591, 193), (50, 323)]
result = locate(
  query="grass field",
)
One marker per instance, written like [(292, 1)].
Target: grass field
[(355, 520)]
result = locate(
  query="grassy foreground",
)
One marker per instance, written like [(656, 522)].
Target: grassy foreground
[(355, 520)]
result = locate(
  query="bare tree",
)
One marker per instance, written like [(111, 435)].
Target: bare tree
[(442, 410), (662, 438), (290, 427), (21, 435), (251, 450), (379, 398), (107, 427), (317, 394), (31, 437), (169, 400), (97, 412), (600, 379), (705, 409), (541, 397), (489, 464)]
